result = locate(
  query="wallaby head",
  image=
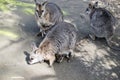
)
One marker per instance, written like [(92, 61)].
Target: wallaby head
[(35, 55), (91, 7), (41, 53), (48, 13), (38, 8)]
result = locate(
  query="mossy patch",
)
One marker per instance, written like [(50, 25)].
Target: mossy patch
[(9, 5), (9, 34)]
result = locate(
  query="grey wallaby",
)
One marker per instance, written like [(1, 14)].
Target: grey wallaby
[(61, 39), (102, 23), (47, 14)]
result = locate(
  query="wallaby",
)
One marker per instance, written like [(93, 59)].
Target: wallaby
[(47, 14), (102, 23), (61, 39)]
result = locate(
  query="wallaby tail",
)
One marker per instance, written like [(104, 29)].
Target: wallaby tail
[(113, 44)]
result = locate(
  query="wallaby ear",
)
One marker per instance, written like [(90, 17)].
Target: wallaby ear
[(96, 4), (38, 7), (37, 3), (44, 3), (90, 6), (33, 45)]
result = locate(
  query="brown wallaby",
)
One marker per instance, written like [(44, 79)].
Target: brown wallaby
[(47, 14), (60, 40)]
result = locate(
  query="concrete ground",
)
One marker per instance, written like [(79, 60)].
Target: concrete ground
[(93, 60)]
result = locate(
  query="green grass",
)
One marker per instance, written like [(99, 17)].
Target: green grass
[(28, 11), (9, 5), (8, 34), (28, 8)]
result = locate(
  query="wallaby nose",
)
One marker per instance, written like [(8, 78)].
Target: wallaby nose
[(29, 62)]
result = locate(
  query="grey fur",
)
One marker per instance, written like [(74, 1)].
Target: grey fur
[(63, 34), (102, 23), (60, 40)]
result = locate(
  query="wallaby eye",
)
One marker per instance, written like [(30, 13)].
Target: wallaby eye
[(31, 59), (42, 10)]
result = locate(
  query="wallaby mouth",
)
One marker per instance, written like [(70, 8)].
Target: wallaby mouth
[(29, 63)]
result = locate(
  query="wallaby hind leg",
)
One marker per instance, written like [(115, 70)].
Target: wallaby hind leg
[(51, 60), (70, 55), (59, 58)]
